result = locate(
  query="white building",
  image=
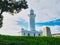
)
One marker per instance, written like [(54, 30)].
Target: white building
[(46, 31), (32, 31), (56, 34)]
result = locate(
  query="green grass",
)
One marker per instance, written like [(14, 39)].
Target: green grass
[(22, 40)]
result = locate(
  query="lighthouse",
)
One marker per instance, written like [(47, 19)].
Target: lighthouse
[(32, 31), (32, 20)]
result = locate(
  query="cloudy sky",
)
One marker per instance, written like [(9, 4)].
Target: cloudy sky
[(47, 14)]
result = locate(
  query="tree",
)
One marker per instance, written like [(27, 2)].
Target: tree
[(11, 6)]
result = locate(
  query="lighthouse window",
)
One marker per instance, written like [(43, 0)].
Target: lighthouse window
[(34, 34), (39, 34), (24, 33), (28, 34)]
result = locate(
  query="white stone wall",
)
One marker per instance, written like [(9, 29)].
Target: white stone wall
[(29, 33)]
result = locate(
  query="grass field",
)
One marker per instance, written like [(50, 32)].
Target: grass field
[(21, 40)]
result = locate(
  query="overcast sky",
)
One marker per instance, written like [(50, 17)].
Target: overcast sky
[(47, 14)]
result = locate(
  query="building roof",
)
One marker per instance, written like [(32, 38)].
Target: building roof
[(56, 34)]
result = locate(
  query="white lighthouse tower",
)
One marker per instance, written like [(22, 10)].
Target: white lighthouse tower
[(32, 20), (32, 31)]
